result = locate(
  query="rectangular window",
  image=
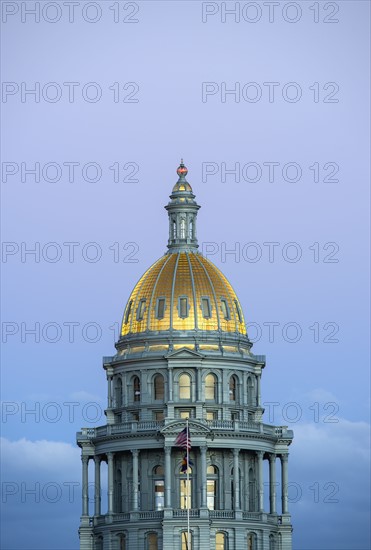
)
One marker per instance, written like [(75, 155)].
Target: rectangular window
[(183, 307), (160, 310), (159, 415), (186, 414), (238, 311), (211, 415), (128, 311), (141, 309), (206, 309), (225, 309), (159, 494)]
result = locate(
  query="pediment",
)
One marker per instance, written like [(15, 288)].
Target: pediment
[(184, 353), (195, 427)]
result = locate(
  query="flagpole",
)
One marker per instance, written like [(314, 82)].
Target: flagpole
[(187, 485)]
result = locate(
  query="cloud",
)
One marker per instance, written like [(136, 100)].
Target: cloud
[(43, 456)]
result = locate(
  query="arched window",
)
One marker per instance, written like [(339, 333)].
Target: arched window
[(251, 541), (191, 229), (122, 542), (272, 545), (221, 541), (184, 386), (159, 487), (136, 388), (233, 388), (174, 229), (212, 487), (182, 229), (118, 392), (159, 387), (152, 541), (185, 489), (186, 541), (210, 387), (252, 498)]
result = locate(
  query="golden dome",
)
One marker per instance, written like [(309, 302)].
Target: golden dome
[(183, 291)]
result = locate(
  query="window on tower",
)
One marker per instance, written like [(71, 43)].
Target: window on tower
[(182, 229), (160, 308), (141, 309), (128, 311), (238, 311), (159, 387), (205, 306), (184, 386), (191, 229), (212, 484), (221, 541), (136, 388), (152, 541), (210, 387), (183, 307), (233, 388), (225, 309), (186, 541)]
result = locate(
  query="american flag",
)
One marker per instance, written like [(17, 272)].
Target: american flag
[(183, 439)]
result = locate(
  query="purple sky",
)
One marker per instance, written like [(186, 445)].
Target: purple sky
[(152, 111)]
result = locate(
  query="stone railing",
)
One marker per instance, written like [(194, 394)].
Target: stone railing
[(154, 426), (180, 513), (221, 514)]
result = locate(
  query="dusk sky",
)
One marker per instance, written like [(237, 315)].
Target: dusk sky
[(269, 107)]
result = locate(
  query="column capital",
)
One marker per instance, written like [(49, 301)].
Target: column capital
[(259, 454), (203, 449), (110, 455), (135, 452), (272, 457), (284, 458), (167, 450), (97, 459), (85, 459), (236, 452)]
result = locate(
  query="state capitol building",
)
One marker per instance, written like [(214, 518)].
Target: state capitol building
[(184, 362)]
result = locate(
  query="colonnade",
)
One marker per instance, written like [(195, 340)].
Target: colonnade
[(169, 479)]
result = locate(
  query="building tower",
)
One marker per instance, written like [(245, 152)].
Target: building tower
[(184, 359)]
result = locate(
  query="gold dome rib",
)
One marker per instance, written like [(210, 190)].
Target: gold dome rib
[(153, 293), (193, 291), (212, 290)]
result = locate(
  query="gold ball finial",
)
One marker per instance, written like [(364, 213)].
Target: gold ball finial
[(182, 170)]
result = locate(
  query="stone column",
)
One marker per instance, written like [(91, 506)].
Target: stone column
[(167, 477), (272, 483), (110, 482), (203, 450), (258, 391), (199, 386), (236, 479), (109, 398), (135, 454), (170, 384), (260, 481), (85, 486), (284, 483), (97, 494)]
